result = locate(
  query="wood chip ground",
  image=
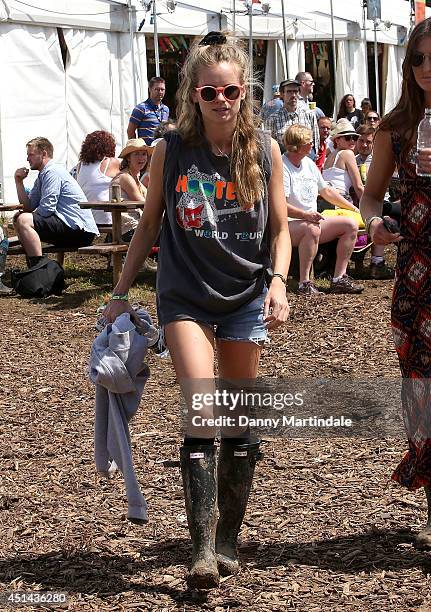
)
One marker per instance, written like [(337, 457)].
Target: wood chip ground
[(326, 529)]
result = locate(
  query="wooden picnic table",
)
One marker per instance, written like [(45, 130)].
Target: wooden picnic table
[(117, 247)]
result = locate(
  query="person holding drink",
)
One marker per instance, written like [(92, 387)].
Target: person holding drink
[(395, 147)]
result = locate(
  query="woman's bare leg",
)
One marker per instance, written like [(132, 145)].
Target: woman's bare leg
[(346, 230), (305, 236)]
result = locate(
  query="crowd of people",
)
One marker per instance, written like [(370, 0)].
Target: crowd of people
[(51, 209), (342, 150), (228, 202)]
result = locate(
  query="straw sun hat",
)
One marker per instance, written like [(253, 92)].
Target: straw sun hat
[(343, 127), (137, 144)]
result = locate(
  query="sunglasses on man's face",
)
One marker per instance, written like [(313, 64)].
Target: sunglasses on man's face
[(419, 58), (208, 93)]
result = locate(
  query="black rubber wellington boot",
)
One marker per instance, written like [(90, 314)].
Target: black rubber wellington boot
[(235, 474), (198, 468)]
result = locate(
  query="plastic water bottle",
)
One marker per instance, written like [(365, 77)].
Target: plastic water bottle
[(424, 138)]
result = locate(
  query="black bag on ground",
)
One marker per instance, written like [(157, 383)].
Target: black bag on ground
[(45, 278)]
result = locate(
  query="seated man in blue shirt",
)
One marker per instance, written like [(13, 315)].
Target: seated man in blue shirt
[(148, 115), (51, 209)]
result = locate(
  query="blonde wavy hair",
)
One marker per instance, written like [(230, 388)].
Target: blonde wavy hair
[(245, 164)]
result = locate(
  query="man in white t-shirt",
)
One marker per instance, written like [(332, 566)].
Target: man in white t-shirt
[(302, 184)]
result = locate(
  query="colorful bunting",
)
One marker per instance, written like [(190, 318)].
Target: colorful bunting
[(172, 44)]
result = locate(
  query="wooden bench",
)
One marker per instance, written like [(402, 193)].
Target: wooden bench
[(116, 248), (105, 248)]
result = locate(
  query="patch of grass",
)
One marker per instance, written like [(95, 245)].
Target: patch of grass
[(89, 284)]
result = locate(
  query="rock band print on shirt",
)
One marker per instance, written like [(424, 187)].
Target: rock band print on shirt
[(205, 198)]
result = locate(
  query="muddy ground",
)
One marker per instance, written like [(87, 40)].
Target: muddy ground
[(326, 529)]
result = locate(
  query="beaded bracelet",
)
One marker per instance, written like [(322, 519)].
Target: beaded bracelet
[(120, 296)]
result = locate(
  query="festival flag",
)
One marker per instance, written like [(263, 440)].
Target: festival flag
[(162, 45), (174, 42), (168, 43)]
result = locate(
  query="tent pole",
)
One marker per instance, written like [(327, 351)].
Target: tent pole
[(156, 39), (364, 21), (334, 53), (376, 67), (284, 36), (132, 51)]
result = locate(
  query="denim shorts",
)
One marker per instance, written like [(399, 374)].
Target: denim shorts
[(245, 324)]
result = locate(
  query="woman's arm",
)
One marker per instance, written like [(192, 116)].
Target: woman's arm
[(332, 196), (378, 178), (144, 236), (130, 188), (276, 308), (348, 157), (303, 215)]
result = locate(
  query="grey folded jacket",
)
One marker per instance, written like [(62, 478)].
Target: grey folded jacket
[(118, 370)]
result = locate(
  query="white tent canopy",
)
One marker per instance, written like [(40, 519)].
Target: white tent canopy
[(97, 14), (64, 100), (94, 88)]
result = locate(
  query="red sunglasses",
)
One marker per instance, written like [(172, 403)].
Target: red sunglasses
[(208, 93)]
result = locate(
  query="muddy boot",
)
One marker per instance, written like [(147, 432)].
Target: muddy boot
[(423, 539), (235, 474), (198, 468)]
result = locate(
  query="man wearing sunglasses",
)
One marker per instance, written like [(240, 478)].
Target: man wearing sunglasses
[(290, 114), (305, 96)]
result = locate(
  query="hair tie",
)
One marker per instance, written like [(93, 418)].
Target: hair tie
[(213, 38)]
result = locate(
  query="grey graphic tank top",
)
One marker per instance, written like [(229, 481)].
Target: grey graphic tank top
[(213, 255)]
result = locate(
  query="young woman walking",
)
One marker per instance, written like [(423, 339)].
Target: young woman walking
[(216, 188)]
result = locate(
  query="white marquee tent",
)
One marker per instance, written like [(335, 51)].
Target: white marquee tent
[(63, 96), (67, 65)]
